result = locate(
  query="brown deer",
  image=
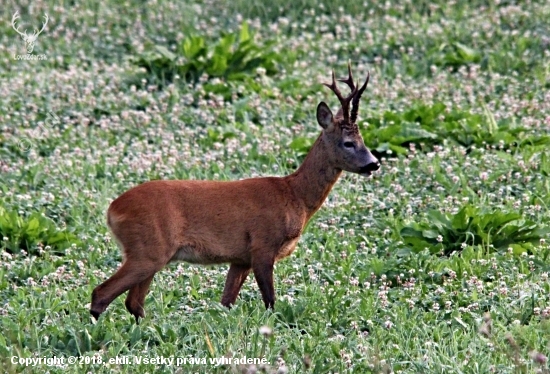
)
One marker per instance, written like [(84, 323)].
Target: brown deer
[(249, 224)]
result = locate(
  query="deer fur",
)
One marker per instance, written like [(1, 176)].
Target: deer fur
[(250, 224)]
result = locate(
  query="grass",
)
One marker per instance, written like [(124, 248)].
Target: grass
[(439, 263)]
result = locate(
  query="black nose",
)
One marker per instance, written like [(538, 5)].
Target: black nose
[(373, 166)]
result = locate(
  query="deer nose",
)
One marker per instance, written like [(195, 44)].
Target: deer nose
[(373, 166), (370, 167)]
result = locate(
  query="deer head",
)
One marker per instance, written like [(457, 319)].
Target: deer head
[(29, 39), (346, 149)]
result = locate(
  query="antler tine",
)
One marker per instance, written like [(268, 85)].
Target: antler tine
[(44, 23), (344, 101), (333, 87), (356, 98), (14, 19), (349, 81)]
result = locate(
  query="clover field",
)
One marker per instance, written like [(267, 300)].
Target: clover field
[(438, 263)]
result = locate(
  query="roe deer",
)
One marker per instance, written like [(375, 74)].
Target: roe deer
[(249, 223)]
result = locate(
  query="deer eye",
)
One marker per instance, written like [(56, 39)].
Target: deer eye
[(349, 145)]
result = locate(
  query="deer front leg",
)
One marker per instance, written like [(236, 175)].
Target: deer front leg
[(235, 278), (263, 272)]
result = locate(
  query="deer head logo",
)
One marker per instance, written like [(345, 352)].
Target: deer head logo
[(29, 39)]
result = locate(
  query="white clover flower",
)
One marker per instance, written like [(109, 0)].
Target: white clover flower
[(266, 330)]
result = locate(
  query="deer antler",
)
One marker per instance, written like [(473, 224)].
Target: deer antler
[(43, 25), (15, 27), (356, 98), (358, 93), (344, 101), (349, 81)]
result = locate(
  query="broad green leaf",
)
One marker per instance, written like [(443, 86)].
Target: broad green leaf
[(403, 252), (193, 46), (223, 47), (33, 225), (165, 52), (411, 132), (135, 335), (431, 234), (518, 249), (86, 344), (410, 232), (244, 34), (301, 144), (398, 149), (218, 67), (439, 219), (467, 53), (461, 220)]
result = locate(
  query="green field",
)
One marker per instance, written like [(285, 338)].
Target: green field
[(438, 263)]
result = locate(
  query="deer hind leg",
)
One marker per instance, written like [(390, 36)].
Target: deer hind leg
[(236, 276), (135, 300), (130, 274)]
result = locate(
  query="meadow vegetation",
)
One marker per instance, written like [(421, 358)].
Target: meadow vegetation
[(438, 263)]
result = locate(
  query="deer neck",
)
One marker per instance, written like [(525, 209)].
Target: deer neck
[(315, 178)]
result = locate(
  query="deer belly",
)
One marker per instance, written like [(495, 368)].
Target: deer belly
[(186, 253), (204, 256), (189, 253), (287, 249)]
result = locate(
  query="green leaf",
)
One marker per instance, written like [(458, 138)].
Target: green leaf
[(461, 220), (135, 335), (467, 53), (411, 132), (439, 219), (219, 65), (491, 122), (193, 46), (461, 322), (410, 232), (403, 252), (33, 225), (223, 48), (431, 234), (165, 52), (517, 249), (86, 344), (398, 149), (244, 34), (301, 144)]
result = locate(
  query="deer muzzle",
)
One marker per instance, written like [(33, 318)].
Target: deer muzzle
[(369, 168)]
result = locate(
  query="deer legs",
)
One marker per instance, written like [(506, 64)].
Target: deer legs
[(136, 298), (263, 272), (236, 276), (131, 276)]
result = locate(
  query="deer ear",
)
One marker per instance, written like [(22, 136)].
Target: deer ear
[(324, 116)]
